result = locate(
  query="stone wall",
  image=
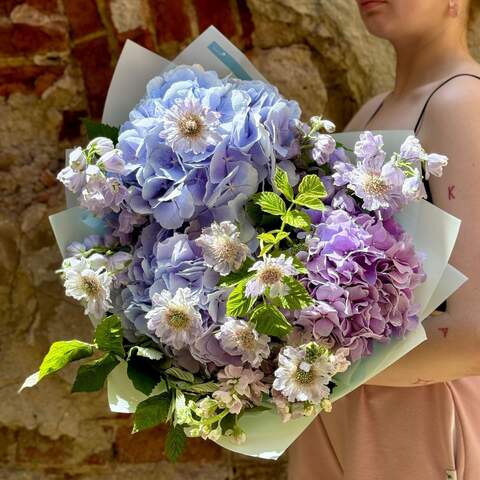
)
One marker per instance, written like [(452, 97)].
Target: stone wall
[(56, 60)]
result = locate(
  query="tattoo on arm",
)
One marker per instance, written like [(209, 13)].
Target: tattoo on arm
[(444, 331), (451, 193)]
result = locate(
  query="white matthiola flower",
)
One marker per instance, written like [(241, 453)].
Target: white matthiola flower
[(77, 159), (238, 337), (434, 164), (175, 319), (270, 274), (73, 175), (413, 151), (88, 285), (413, 187), (100, 145), (190, 127), (113, 161), (222, 249), (303, 373)]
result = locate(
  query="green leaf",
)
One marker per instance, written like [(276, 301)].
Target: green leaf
[(142, 375), (180, 374), (269, 320), (208, 387), (312, 185), (281, 183), (267, 237), (310, 201), (271, 238), (271, 203), (238, 304), (145, 352), (234, 277), (91, 376), (297, 297), (299, 265), (97, 129), (151, 412), (61, 354), (175, 443), (109, 336), (266, 249), (297, 219)]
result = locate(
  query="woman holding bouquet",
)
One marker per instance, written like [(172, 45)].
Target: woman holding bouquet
[(420, 418)]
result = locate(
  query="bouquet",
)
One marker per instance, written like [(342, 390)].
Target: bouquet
[(236, 262)]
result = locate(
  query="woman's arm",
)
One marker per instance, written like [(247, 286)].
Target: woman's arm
[(452, 127)]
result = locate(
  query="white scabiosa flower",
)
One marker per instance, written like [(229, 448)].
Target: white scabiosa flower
[(238, 337), (303, 373), (175, 319), (222, 249), (270, 274), (88, 285), (188, 126)]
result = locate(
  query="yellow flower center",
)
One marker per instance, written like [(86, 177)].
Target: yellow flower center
[(190, 125), (246, 339), (177, 318), (226, 250), (303, 377), (91, 286), (374, 185), (271, 275)]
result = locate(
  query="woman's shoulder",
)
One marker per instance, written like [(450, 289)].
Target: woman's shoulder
[(456, 102), (359, 120)]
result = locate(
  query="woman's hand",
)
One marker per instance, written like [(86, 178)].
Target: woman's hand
[(451, 127)]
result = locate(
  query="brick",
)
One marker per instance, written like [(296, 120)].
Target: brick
[(147, 447), (22, 39), (48, 6), (83, 17), (247, 23), (95, 62), (71, 125), (171, 20), (29, 78), (143, 447), (139, 35), (33, 448), (215, 12)]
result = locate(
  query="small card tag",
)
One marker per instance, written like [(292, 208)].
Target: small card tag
[(451, 475)]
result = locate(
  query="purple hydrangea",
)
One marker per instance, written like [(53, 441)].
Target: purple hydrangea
[(362, 273)]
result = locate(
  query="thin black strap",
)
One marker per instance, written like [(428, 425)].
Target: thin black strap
[(374, 113), (420, 118)]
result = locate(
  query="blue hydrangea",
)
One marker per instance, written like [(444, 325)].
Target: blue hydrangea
[(198, 144)]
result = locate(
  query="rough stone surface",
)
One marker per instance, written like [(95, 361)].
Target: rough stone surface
[(56, 61)]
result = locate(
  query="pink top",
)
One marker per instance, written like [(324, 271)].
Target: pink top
[(383, 433)]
